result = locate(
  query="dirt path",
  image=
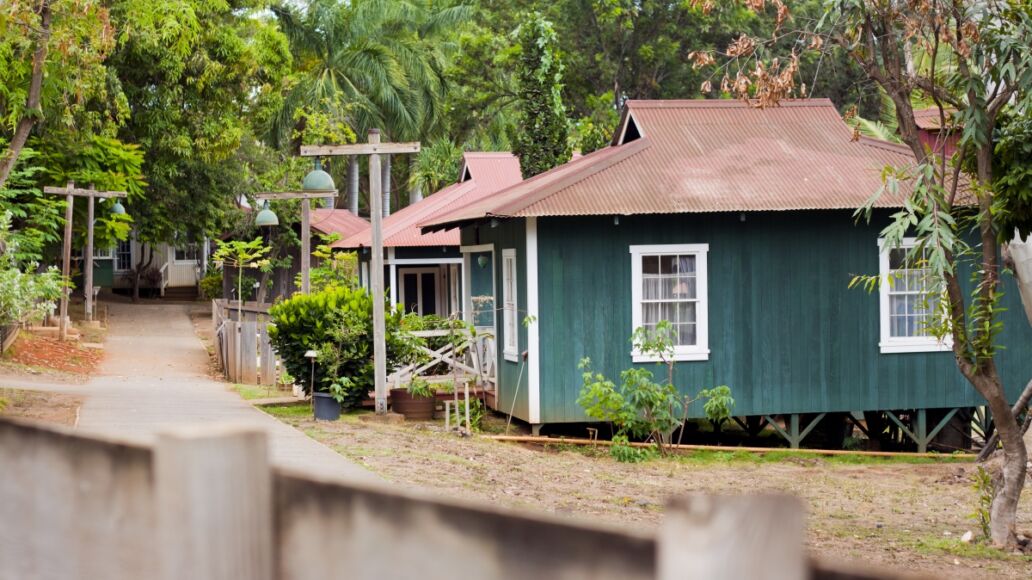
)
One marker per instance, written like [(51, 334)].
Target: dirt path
[(154, 376)]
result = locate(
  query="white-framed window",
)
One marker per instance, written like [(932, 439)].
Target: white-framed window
[(190, 253), (510, 327), (124, 256), (907, 301), (668, 282)]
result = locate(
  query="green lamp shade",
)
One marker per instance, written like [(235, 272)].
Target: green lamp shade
[(266, 218), (318, 180), (482, 261), (118, 208)]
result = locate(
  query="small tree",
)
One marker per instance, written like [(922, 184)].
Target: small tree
[(640, 407), (541, 136), (240, 255)]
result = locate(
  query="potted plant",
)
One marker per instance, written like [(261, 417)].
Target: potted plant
[(326, 405), (416, 401)]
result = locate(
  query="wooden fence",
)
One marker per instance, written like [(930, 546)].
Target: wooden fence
[(204, 504), (242, 347), (8, 333), (469, 358)]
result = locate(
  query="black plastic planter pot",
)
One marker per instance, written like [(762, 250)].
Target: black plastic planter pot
[(326, 409)]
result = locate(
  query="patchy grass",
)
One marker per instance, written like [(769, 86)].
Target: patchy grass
[(48, 407), (295, 411), (954, 547), (252, 392)]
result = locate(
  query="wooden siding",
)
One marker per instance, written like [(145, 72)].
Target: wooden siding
[(512, 379), (785, 332)]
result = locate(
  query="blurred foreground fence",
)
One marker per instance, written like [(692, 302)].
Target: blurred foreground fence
[(242, 347), (204, 504)]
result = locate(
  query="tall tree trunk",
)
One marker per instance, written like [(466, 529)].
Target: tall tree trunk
[(353, 180), (385, 180), (1003, 515), (32, 100), (416, 193), (140, 269)]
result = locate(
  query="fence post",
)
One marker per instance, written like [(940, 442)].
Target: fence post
[(213, 488), (732, 537)]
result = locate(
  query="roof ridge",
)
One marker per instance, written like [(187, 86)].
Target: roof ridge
[(723, 103), (572, 175), (886, 145)]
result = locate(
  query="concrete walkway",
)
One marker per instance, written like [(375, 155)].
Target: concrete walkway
[(153, 377)]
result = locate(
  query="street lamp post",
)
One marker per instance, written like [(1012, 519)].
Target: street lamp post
[(71, 192), (317, 185)]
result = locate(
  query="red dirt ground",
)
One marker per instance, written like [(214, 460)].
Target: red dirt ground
[(50, 353)]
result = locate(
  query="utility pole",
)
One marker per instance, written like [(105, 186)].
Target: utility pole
[(374, 149), (71, 192)]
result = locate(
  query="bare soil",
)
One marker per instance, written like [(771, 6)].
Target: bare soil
[(907, 516), (31, 352), (59, 408)]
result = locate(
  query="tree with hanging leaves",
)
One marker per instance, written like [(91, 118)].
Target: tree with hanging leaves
[(973, 61), (541, 136)]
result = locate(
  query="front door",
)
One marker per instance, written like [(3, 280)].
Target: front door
[(419, 290)]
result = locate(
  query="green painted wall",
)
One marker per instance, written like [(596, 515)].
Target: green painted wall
[(512, 376), (785, 332)]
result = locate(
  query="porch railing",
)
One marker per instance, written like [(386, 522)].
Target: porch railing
[(470, 358)]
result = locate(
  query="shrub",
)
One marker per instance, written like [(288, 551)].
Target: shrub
[(641, 407), (337, 322), (211, 285)]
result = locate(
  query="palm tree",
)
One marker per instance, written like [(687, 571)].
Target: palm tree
[(384, 59)]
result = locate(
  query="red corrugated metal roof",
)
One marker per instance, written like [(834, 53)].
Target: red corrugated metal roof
[(338, 221), (481, 174), (708, 156), (928, 119)]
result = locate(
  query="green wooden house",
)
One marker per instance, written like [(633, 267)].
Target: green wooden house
[(736, 225)]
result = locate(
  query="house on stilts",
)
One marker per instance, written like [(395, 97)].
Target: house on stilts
[(735, 224)]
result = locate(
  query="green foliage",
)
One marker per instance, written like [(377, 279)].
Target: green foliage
[(211, 285), (336, 268), (24, 292), (37, 219), (419, 388), (640, 407), (337, 323), (241, 255), (719, 403), (476, 414), (595, 130), (541, 136), (983, 486), (1012, 177), (436, 166), (622, 451)]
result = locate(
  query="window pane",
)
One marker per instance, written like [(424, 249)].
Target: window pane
[(686, 264), (686, 312), (651, 287), (897, 257), (650, 265), (650, 314), (686, 335)]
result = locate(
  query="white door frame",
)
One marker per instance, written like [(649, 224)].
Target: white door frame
[(418, 272)]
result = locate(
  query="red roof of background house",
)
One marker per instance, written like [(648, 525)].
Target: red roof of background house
[(480, 174), (706, 156), (338, 221), (928, 119)]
